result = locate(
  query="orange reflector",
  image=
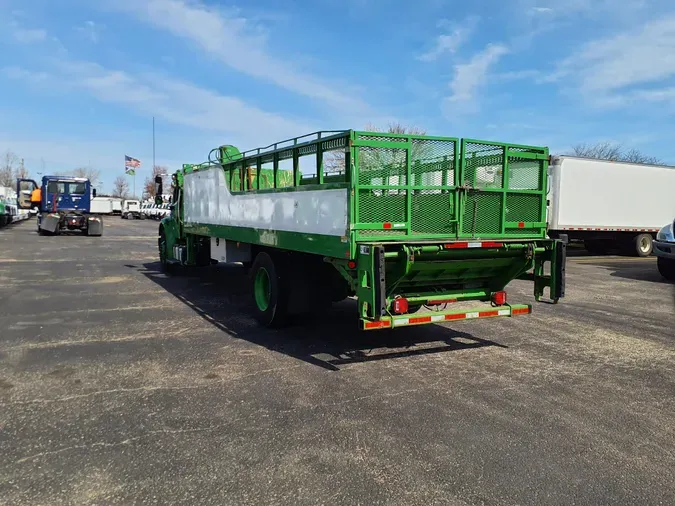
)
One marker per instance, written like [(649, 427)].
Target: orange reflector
[(521, 224), (455, 245), (377, 325), (492, 244), (525, 310), (419, 319), (386, 225)]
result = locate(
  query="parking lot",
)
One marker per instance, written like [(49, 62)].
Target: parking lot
[(121, 385)]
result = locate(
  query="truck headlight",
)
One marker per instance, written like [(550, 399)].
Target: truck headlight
[(666, 234)]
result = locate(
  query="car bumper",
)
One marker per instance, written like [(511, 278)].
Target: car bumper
[(664, 249)]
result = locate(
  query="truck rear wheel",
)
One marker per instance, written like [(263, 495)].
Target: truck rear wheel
[(666, 268), (269, 288), (643, 245)]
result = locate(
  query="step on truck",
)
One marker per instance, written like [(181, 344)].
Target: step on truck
[(408, 225), (64, 204)]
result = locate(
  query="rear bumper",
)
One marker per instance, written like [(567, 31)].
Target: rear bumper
[(664, 249), (391, 321)]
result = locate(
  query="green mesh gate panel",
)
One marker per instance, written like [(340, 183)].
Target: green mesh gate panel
[(406, 186), (504, 190)]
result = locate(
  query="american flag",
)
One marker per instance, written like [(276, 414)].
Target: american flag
[(130, 165), (131, 162)]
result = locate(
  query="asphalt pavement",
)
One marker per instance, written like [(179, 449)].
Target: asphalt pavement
[(120, 385)]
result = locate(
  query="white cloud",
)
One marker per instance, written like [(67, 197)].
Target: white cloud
[(450, 42), (177, 102), (28, 36), (471, 76), (613, 70), (237, 42)]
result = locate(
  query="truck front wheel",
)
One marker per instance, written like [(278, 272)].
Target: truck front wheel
[(666, 268), (163, 251), (269, 288)]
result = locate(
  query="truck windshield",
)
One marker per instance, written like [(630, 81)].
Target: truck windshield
[(76, 188), (56, 187), (62, 188)]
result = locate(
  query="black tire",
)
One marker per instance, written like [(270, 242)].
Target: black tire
[(666, 268), (162, 247), (643, 245), (142, 217), (275, 312), (596, 246)]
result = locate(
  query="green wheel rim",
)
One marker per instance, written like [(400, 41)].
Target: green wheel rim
[(262, 289)]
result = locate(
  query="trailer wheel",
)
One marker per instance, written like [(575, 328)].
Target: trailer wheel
[(666, 268), (643, 245), (269, 291)]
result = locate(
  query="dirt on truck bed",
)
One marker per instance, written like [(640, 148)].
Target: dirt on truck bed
[(121, 385)]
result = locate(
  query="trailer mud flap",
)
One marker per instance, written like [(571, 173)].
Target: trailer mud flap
[(558, 273), (50, 222), (94, 226)]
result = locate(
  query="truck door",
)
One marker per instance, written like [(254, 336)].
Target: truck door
[(24, 190)]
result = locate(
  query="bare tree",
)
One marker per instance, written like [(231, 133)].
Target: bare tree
[(21, 171), (120, 187), (9, 160), (93, 175), (613, 152), (149, 186), (334, 162)]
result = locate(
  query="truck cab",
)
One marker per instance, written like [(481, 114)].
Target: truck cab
[(65, 204), (131, 209)]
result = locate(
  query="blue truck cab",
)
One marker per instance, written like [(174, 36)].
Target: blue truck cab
[(65, 204)]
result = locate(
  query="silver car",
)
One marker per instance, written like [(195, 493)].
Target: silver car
[(664, 249)]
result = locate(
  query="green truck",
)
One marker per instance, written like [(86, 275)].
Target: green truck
[(411, 226)]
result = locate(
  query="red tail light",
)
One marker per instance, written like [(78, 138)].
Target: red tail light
[(499, 298), (400, 306)]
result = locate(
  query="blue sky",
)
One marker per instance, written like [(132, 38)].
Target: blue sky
[(81, 80)]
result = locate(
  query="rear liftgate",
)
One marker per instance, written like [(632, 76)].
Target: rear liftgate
[(396, 280)]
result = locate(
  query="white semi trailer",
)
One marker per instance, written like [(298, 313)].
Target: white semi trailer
[(609, 205)]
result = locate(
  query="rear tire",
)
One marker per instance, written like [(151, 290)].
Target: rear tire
[(269, 291), (643, 245), (666, 268)]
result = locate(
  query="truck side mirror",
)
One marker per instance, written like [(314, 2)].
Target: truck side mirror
[(158, 185), (93, 192)]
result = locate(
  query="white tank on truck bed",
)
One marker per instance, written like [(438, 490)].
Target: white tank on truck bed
[(609, 204)]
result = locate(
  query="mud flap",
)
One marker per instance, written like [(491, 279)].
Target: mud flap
[(50, 223), (558, 275), (94, 226)]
